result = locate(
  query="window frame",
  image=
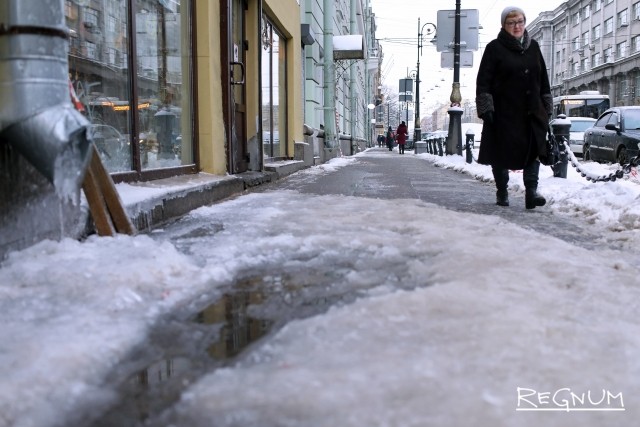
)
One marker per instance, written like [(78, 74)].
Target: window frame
[(123, 61), (622, 18)]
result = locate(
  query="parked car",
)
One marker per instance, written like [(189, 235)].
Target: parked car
[(614, 137), (576, 133)]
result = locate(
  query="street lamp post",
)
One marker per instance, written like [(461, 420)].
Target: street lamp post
[(388, 114), (417, 131), (454, 142), (413, 74)]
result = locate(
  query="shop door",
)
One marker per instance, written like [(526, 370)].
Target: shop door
[(234, 87)]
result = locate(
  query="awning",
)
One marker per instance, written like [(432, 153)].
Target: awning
[(348, 47)]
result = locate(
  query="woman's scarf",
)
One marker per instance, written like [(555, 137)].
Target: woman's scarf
[(513, 43)]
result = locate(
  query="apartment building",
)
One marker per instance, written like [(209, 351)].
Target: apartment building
[(592, 45)]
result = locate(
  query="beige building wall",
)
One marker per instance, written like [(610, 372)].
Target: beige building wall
[(286, 15), (210, 120)]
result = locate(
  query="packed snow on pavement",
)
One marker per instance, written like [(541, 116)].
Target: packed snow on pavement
[(504, 326)]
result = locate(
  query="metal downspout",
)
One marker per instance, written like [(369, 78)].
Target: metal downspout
[(330, 137), (352, 83), (36, 114)]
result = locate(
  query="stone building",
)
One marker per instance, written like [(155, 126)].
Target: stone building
[(592, 45)]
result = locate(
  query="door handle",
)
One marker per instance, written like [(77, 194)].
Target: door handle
[(241, 81)]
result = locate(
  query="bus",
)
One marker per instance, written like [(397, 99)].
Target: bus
[(588, 103)]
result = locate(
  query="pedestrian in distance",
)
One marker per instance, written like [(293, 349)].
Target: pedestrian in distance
[(401, 136), (381, 140), (513, 98), (390, 138)]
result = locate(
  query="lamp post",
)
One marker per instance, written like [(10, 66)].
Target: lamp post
[(388, 114), (417, 131), (454, 141), (413, 74), (370, 130)]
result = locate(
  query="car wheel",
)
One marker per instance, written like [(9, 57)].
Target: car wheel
[(622, 156), (586, 153)]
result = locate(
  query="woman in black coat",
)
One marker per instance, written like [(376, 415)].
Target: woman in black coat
[(390, 138), (513, 97)]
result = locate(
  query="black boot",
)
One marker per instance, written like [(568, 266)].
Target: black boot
[(501, 177), (502, 198), (533, 199), (530, 178)]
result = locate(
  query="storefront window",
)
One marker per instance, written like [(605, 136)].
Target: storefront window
[(274, 93), (103, 83), (163, 84)]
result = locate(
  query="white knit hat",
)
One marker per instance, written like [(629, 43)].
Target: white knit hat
[(508, 10)]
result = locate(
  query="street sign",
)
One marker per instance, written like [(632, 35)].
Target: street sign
[(466, 59), (469, 25), (406, 85), (405, 90)]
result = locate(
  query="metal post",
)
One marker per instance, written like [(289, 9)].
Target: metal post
[(455, 133), (388, 113), (561, 129), (470, 139), (416, 125), (406, 113)]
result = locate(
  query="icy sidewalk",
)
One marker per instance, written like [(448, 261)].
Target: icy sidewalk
[(495, 307)]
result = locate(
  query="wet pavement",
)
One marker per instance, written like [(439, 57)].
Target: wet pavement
[(215, 333), (388, 175)]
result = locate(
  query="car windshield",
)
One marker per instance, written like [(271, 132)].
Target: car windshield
[(581, 125), (632, 119)]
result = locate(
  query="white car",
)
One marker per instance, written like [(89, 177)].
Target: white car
[(472, 128), (576, 133)]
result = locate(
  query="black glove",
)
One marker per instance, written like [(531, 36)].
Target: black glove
[(487, 117)]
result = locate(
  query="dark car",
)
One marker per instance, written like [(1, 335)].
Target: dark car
[(614, 137)]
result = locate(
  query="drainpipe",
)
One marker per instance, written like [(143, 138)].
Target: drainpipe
[(330, 137), (353, 29), (36, 114)]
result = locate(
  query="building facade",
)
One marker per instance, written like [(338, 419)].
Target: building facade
[(175, 87), (339, 90), (219, 86), (592, 45)]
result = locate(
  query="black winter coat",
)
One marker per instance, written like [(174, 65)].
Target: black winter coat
[(512, 82)]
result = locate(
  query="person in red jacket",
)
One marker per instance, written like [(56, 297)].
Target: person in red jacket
[(401, 136)]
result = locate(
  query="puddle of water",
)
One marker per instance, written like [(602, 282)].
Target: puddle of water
[(251, 309), (239, 328)]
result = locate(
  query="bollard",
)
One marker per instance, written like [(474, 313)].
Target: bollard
[(561, 127), (470, 139), (440, 147)]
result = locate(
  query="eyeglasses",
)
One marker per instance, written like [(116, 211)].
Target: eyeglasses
[(519, 23)]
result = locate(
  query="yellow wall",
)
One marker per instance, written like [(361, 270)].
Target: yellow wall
[(286, 15), (252, 68), (210, 120)]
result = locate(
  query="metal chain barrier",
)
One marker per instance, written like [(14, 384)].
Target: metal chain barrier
[(565, 150), (619, 174), (589, 176), (469, 152)]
